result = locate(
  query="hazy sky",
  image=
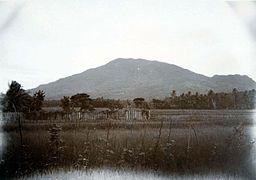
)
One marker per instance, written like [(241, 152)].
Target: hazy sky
[(42, 41)]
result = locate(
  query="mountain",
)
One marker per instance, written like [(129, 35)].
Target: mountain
[(129, 78)]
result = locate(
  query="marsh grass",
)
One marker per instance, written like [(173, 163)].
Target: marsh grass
[(185, 148)]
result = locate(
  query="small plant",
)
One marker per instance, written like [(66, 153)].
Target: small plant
[(55, 142)]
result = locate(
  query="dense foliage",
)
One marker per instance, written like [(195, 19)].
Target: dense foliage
[(221, 100), (233, 100), (37, 101), (108, 103), (17, 99)]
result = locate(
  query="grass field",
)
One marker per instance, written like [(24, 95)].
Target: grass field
[(196, 145)]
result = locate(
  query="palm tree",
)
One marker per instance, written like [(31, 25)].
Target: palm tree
[(16, 99), (235, 94), (211, 103), (173, 94)]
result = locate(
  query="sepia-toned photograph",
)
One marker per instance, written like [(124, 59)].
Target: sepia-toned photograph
[(128, 89)]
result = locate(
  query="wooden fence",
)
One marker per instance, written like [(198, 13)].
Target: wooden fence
[(10, 117), (41, 117), (129, 114)]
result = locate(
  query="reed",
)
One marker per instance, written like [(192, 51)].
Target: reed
[(160, 146)]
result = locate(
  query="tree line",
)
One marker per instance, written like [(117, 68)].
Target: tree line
[(221, 100), (17, 99)]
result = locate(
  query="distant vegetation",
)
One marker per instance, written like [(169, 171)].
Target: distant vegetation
[(233, 100), (17, 99)]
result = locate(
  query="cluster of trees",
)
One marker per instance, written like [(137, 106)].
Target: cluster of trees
[(17, 99), (108, 103), (140, 103), (233, 100), (83, 102)]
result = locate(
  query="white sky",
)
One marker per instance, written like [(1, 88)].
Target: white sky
[(42, 41)]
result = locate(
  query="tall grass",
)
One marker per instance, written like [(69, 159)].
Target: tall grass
[(160, 146)]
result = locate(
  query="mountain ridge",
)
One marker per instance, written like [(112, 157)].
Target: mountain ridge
[(129, 78)]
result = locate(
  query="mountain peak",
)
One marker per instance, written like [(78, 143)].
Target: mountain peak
[(127, 78), (129, 60)]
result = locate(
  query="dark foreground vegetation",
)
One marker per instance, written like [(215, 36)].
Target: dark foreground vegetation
[(161, 146)]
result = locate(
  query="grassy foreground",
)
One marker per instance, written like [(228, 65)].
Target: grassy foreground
[(161, 146)]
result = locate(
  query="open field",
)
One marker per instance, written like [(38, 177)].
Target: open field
[(219, 143), (177, 118)]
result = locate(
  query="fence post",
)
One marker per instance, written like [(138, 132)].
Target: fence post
[(19, 115)]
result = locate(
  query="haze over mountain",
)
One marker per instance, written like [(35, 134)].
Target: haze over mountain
[(130, 78)]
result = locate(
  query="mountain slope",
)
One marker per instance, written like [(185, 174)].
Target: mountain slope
[(129, 78)]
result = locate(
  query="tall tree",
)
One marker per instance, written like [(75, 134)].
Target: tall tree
[(252, 98), (82, 101), (16, 99), (139, 102), (38, 99), (211, 102), (65, 103), (173, 94), (235, 97)]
